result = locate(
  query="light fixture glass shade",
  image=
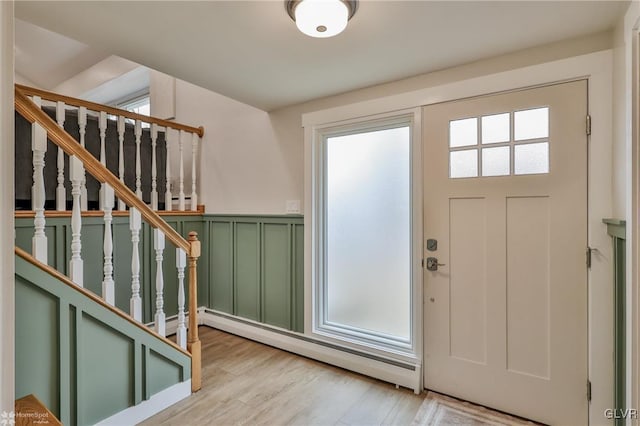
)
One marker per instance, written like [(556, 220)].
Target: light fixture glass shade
[(321, 18)]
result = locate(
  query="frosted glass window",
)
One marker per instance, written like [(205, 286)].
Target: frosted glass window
[(463, 132), (531, 158), (463, 163), (531, 124), (368, 233), (495, 161), (495, 128)]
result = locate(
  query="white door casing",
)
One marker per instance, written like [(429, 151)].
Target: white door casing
[(505, 319)]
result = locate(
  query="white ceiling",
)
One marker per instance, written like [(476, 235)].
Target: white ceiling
[(251, 50)]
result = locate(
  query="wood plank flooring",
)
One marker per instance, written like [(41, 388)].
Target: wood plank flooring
[(248, 383)]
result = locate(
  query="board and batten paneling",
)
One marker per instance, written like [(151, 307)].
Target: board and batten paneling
[(251, 266), (256, 268), (83, 361)]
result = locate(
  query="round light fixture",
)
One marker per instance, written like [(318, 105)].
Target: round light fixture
[(321, 18)]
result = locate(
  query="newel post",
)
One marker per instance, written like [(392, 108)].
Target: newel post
[(193, 341)]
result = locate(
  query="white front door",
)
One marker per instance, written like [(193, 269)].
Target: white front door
[(505, 197)]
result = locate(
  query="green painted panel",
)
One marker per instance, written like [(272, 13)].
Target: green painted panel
[(73, 363), (161, 372), (101, 349), (221, 266), (64, 365), (276, 273), (230, 245), (620, 347), (298, 256), (61, 240), (247, 270), (37, 344), (170, 276), (92, 255), (107, 360), (122, 250), (24, 235)]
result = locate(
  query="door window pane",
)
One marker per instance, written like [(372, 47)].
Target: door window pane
[(495, 161), (463, 132), (531, 124), (367, 224), (495, 128), (531, 158), (463, 163)]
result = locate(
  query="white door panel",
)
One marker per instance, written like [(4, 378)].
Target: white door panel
[(506, 316)]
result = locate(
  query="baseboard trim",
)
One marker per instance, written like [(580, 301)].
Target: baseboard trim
[(155, 404), (301, 345)]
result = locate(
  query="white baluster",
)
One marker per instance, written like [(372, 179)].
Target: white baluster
[(82, 127), (61, 193), (76, 272), (181, 181), (154, 167), (102, 126), (167, 194), (181, 333), (39, 148), (108, 287), (158, 245), (135, 223), (138, 133), (194, 157), (121, 127)]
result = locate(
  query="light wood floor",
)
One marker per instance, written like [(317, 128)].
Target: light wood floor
[(248, 383)]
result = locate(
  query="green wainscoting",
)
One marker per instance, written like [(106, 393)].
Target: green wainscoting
[(251, 266), (58, 231), (83, 361), (256, 268), (617, 230)]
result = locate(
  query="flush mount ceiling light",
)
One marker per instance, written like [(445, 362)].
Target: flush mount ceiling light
[(321, 18)]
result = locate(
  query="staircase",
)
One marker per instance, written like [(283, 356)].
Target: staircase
[(87, 360)]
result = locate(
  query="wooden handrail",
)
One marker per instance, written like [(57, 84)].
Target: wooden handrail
[(32, 91), (33, 113)]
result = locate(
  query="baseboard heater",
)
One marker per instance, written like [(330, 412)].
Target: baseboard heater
[(397, 372)]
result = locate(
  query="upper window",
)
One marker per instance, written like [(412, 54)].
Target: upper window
[(509, 143), (140, 105)]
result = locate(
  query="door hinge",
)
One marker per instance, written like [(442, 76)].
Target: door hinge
[(588, 390), (588, 125), (589, 252)]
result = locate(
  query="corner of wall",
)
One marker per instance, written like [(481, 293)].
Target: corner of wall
[(7, 282)]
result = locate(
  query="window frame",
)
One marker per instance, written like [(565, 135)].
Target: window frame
[(323, 329)]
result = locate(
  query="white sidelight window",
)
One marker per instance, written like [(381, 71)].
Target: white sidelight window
[(363, 241)]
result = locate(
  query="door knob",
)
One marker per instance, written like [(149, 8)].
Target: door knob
[(432, 264)]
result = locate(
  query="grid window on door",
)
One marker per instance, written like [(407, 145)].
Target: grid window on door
[(505, 144)]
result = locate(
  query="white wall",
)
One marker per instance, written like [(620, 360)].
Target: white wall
[(247, 167), (619, 185), (6, 209)]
